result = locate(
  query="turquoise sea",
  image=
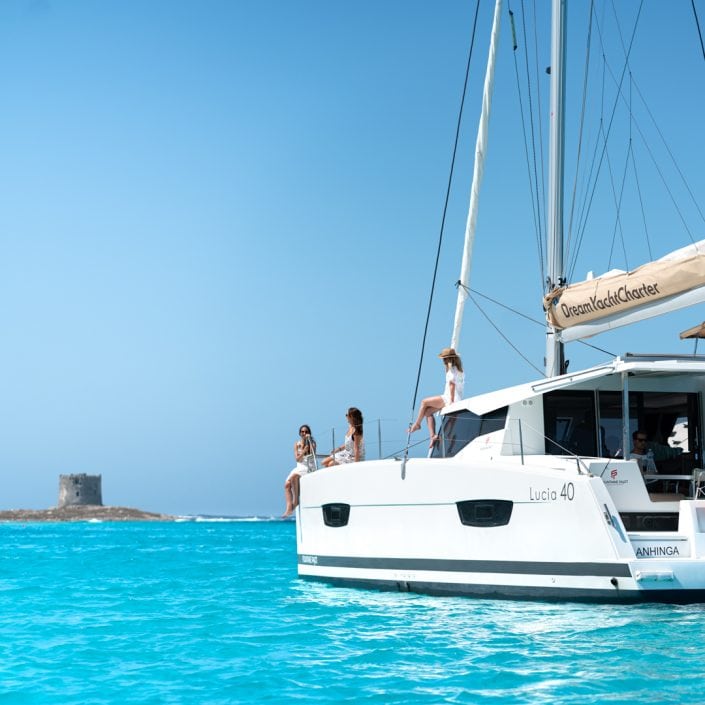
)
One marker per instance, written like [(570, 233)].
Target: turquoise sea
[(212, 613)]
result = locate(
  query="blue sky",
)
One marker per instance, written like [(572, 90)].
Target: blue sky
[(218, 221)]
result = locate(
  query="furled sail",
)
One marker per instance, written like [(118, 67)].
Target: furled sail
[(480, 152), (617, 298)]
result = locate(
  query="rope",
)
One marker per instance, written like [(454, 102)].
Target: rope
[(443, 219)]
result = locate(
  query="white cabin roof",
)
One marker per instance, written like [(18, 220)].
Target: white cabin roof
[(637, 364)]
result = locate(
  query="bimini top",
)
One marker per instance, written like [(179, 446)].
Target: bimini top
[(636, 364)]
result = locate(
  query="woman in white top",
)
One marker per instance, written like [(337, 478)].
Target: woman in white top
[(353, 449), (455, 380), (304, 453)]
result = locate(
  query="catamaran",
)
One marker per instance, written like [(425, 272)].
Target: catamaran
[(533, 491)]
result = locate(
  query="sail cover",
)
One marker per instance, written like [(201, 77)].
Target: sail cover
[(617, 297)]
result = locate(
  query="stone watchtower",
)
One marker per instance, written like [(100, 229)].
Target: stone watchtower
[(80, 489)]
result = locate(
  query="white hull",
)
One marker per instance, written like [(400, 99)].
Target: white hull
[(543, 526), (396, 541)]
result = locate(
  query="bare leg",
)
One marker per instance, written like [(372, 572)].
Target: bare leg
[(431, 421), (295, 490), (429, 406), (288, 497)]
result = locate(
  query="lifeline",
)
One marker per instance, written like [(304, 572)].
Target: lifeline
[(623, 295)]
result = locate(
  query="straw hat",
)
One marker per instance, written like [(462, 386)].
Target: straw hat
[(448, 352)]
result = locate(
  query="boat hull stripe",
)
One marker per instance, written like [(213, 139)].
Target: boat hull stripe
[(492, 591), (620, 570)]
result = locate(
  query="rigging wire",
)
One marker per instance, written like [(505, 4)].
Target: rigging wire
[(666, 183), (632, 161), (641, 203), (539, 112), (581, 128), (697, 24), (445, 211), (533, 178), (634, 123), (471, 291), (673, 159), (618, 205), (607, 134), (500, 304), (505, 338), (618, 200), (657, 167), (535, 206), (584, 211)]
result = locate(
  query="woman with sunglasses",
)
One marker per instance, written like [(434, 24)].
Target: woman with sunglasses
[(305, 456), (353, 449)]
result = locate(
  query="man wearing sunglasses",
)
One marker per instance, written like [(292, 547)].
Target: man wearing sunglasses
[(642, 454)]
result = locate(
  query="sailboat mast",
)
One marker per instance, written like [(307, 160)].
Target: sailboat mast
[(555, 364), (480, 152)]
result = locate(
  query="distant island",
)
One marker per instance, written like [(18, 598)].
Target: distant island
[(82, 512)]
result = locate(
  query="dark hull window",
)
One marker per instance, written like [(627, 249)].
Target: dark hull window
[(462, 427), (485, 512), (336, 515)]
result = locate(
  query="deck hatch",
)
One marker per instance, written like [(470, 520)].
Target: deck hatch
[(336, 514), (485, 512)]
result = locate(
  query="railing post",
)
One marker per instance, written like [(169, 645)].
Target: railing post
[(521, 442), (379, 436), (626, 441)]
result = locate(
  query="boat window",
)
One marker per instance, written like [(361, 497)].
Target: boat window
[(485, 512), (570, 423), (671, 421), (336, 514), (462, 427), (610, 404)]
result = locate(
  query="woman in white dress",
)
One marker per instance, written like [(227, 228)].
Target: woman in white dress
[(305, 455), (455, 381), (353, 449)]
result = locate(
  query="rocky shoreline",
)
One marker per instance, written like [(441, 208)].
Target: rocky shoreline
[(82, 513)]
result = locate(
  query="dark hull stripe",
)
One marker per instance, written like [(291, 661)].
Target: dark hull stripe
[(619, 570), (519, 592)]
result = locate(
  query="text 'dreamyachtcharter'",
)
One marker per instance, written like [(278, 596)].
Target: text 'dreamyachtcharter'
[(622, 295)]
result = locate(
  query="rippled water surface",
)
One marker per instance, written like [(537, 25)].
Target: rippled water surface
[(213, 613)]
